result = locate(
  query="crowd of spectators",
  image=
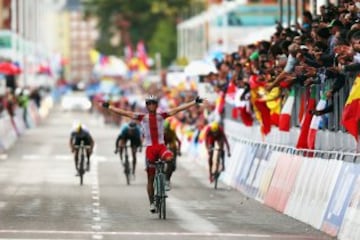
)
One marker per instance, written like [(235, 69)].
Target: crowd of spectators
[(13, 99), (321, 54)]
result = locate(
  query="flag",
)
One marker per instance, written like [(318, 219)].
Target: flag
[(245, 114), (243, 108), (351, 113), (128, 53), (303, 98), (273, 102), (220, 103), (94, 56), (265, 119), (142, 54), (306, 121), (285, 116), (315, 123)]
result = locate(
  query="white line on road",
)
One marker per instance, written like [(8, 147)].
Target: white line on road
[(3, 156), (190, 234), (187, 218), (31, 157)]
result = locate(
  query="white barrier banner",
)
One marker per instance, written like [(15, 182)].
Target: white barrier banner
[(350, 229), (267, 174), (313, 189), (8, 134), (19, 121)]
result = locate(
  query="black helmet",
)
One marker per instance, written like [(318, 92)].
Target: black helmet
[(132, 125)]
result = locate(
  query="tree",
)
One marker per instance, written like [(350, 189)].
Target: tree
[(153, 21)]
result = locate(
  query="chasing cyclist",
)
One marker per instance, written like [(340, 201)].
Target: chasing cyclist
[(80, 133), (173, 143), (130, 131), (215, 134), (152, 124)]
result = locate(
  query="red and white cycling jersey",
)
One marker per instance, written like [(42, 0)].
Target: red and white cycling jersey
[(153, 127)]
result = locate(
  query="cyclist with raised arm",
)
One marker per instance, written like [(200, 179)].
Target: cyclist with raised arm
[(173, 143), (215, 134), (129, 131), (80, 133), (152, 124)]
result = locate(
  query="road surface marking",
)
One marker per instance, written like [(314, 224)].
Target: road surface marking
[(187, 217), (3, 156), (190, 234), (31, 157)]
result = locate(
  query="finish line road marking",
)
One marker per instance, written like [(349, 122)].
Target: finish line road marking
[(191, 234)]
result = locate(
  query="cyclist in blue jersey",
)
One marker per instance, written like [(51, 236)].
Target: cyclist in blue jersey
[(129, 131)]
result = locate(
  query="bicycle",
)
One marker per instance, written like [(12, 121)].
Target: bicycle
[(159, 189), (126, 165), (219, 158), (81, 168)]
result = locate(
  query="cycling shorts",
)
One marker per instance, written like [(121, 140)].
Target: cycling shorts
[(154, 153), (77, 141), (134, 141)]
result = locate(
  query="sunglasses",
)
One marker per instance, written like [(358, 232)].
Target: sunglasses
[(151, 102)]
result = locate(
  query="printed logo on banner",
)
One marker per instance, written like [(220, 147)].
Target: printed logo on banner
[(350, 226), (252, 183), (284, 178), (246, 168), (267, 175), (340, 198), (262, 168), (232, 163)]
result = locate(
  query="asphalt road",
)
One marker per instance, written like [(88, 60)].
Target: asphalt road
[(40, 197)]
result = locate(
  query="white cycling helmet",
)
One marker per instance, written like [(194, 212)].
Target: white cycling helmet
[(151, 98)]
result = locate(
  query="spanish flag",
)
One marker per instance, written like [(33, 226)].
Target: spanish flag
[(351, 113)]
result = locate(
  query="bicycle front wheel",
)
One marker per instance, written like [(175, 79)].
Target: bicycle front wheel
[(81, 169), (163, 207), (127, 170), (162, 197)]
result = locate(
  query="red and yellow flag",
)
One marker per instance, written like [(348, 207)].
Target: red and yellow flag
[(351, 113)]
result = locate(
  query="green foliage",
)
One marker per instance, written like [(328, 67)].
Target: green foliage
[(162, 41), (153, 21)]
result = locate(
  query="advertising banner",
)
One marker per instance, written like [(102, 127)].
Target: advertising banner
[(244, 172), (237, 156), (340, 198), (350, 229), (285, 174), (267, 174), (308, 201)]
